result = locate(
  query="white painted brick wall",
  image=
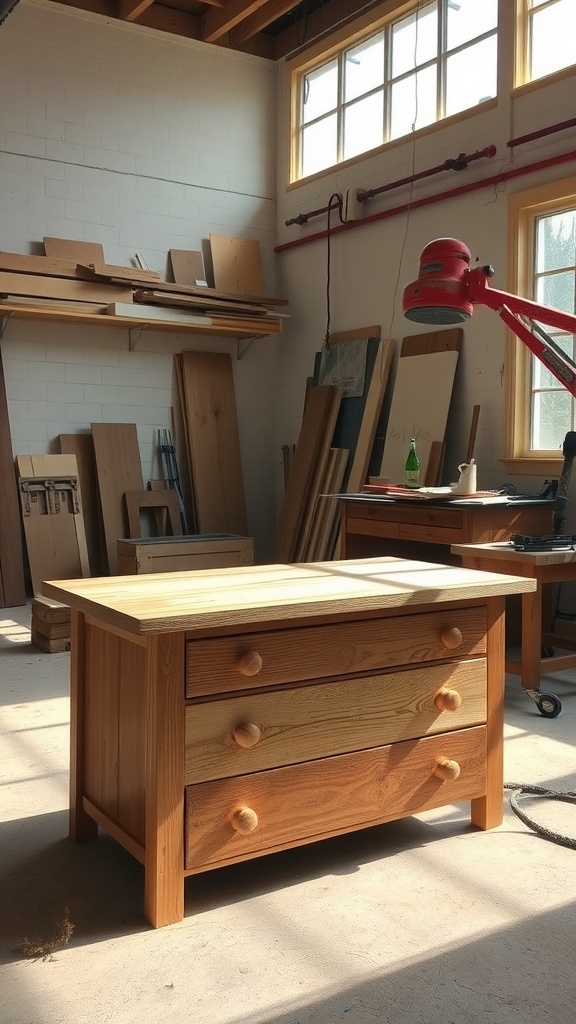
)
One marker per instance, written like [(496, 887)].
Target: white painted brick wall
[(144, 142)]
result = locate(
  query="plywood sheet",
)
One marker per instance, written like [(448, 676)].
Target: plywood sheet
[(187, 267), (73, 249), (237, 265), (82, 447), (209, 409), (318, 422), (421, 399), (118, 469), (12, 587), (33, 286), (51, 509)]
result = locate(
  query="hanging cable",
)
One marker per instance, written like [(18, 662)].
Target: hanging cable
[(335, 197)]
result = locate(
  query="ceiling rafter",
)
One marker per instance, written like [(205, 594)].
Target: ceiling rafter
[(217, 23), (254, 23)]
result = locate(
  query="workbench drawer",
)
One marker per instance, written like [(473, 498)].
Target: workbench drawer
[(233, 819), (256, 731), (228, 663)]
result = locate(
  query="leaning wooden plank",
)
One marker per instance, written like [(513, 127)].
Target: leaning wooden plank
[(308, 552), (373, 405), (237, 265), (82, 446), (321, 407), (51, 510), (330, 514), (72, 249), (109, 271), (317, 482), (12, 586), (118, 469), (214, 445), (188, 267), (25, 264), (62, 288)]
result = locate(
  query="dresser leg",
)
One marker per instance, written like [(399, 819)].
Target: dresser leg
[(487, 811), (164, 861), (81, 827)]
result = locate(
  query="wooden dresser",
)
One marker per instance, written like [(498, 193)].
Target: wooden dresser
[(221, 715)]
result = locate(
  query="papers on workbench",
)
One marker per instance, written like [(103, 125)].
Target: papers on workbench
[(481, 498)]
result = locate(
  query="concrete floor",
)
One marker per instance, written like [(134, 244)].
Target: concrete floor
[(422, 921)]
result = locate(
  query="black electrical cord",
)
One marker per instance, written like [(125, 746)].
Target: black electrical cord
[(519, 791), (338, 198)]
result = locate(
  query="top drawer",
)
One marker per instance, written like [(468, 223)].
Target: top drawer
[(228, 663)]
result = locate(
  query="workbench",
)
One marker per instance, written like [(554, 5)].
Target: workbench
[(417, 529), (537, 651), (219, 715)]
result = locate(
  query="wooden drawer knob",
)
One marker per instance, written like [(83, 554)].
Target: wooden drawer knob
[(451, 637), (446, 768), (244, 820), (247, 734), (250, 663), (448, 700)]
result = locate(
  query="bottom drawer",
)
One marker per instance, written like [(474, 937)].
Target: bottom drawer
[(233, 819)]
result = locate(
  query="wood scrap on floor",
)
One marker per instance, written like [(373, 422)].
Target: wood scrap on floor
[(12, 584), (51, 510), (118, 469), (206, 387), (164, 504), (50, 625)]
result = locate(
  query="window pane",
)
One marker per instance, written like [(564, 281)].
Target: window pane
[(364, 68), (320, 145), (471, 76), (406, 51), (557, 290), (552, 43), (542, 378), (319, 91), (551, 419), (556, 241), (364, 125), (468, 19), (413, 105)]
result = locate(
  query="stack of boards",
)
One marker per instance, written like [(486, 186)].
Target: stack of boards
[(50, 627)]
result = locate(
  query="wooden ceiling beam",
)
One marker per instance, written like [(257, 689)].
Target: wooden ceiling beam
[(254, 23), (216, 24), (130, 10)]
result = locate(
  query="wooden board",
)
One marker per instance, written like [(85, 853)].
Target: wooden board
[(421, 399), (118, 469), (22, 263), (237, 265), (30, 285), (109, 271), (165, 506), (187, 267), (82, 447), (72, 249), (180, 554), (52, 518), (209, 407), (375, 391), (12, 585), (199, 302), (318, 421)]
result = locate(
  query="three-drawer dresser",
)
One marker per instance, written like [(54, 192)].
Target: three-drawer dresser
[(224, 714)]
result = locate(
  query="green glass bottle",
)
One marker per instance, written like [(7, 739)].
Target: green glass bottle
[(412, 469)]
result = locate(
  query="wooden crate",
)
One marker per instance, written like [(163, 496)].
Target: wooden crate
[(177, 554)]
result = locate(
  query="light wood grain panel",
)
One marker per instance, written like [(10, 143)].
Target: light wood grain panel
[(306, 802), (187, 266), (118, 468), (101, 700), (31, 286), (82, 447), (266, 595), (237, 265), (215, 665), (132, 747), (213, 441), (487, 810), (74, 249), (81, 827), (303, 723)]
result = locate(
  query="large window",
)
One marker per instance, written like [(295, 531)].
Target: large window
[(436, 61), (543, 226), (549, 34)]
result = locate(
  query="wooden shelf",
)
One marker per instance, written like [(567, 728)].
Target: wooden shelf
[(219, 326)]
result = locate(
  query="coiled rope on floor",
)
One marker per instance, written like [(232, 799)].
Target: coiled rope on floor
[(518, 791)]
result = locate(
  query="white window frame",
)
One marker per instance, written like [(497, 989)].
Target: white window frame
[(523, 211), (316, 59)]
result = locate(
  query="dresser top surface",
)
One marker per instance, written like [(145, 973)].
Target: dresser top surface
[(221, 598)]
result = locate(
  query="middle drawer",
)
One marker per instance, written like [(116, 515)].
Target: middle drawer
[(260, 730)]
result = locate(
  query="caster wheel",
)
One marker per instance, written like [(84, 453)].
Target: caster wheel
[(547, 652), (549, 705)]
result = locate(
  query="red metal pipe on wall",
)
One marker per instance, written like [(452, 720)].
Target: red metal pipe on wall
[(438, 197), (541, 133)]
